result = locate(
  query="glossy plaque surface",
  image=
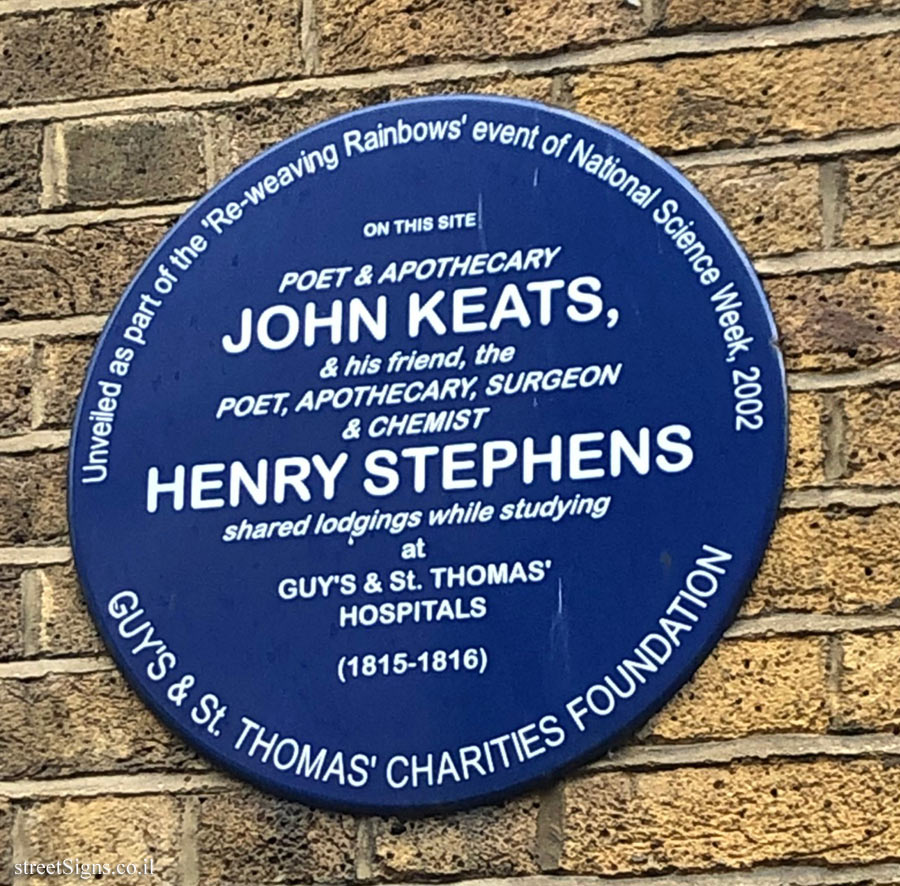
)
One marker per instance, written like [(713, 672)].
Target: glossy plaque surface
[(428, 455)]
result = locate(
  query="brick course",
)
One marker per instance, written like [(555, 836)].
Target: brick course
[(730, 817), (95, 51), (744, 98), (369, 35)]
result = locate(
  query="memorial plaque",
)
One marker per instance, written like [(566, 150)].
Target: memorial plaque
[(428, 455)]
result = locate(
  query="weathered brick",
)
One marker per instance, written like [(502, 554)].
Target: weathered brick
[(187, 43), (58, 377), (492, 841), (109, 830), (836, 811), (79, 270), (869, 696), (20, 167), (684, 13), (33, 492), (747, 686), (16, 373), (66, 627), (681, 13), (54, 55), (240, 133), (541, 89), (830, 560), (872, 436), (127, 160), (12, 640), (871, 212), (7, 818), (365, 34), (772, 208), (809, 419), (67, 724), (743, 98), (249, 837), (837, 321)]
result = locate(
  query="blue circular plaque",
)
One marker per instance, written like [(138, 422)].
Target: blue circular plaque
[(428, 454)]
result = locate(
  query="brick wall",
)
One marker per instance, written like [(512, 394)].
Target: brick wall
[(778, 763)]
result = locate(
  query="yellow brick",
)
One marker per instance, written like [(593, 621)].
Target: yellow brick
[(107, 830), (836, 811), (830, 560), (240, 133), (837, 321), (209, 42), (806, 447), (493, 841), (16, 375), (59, 376), (772, 208), (747, 686), (749, 97), (188, 43), (132, 160), (69, 724), (680, 13), (79, 270), (20, 165), (33, 492), (11, 614), (7, 819), (873, 436), (539, 89), (358, 34), (66, 627), (871, 213), (869, 695), (249, 837)]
